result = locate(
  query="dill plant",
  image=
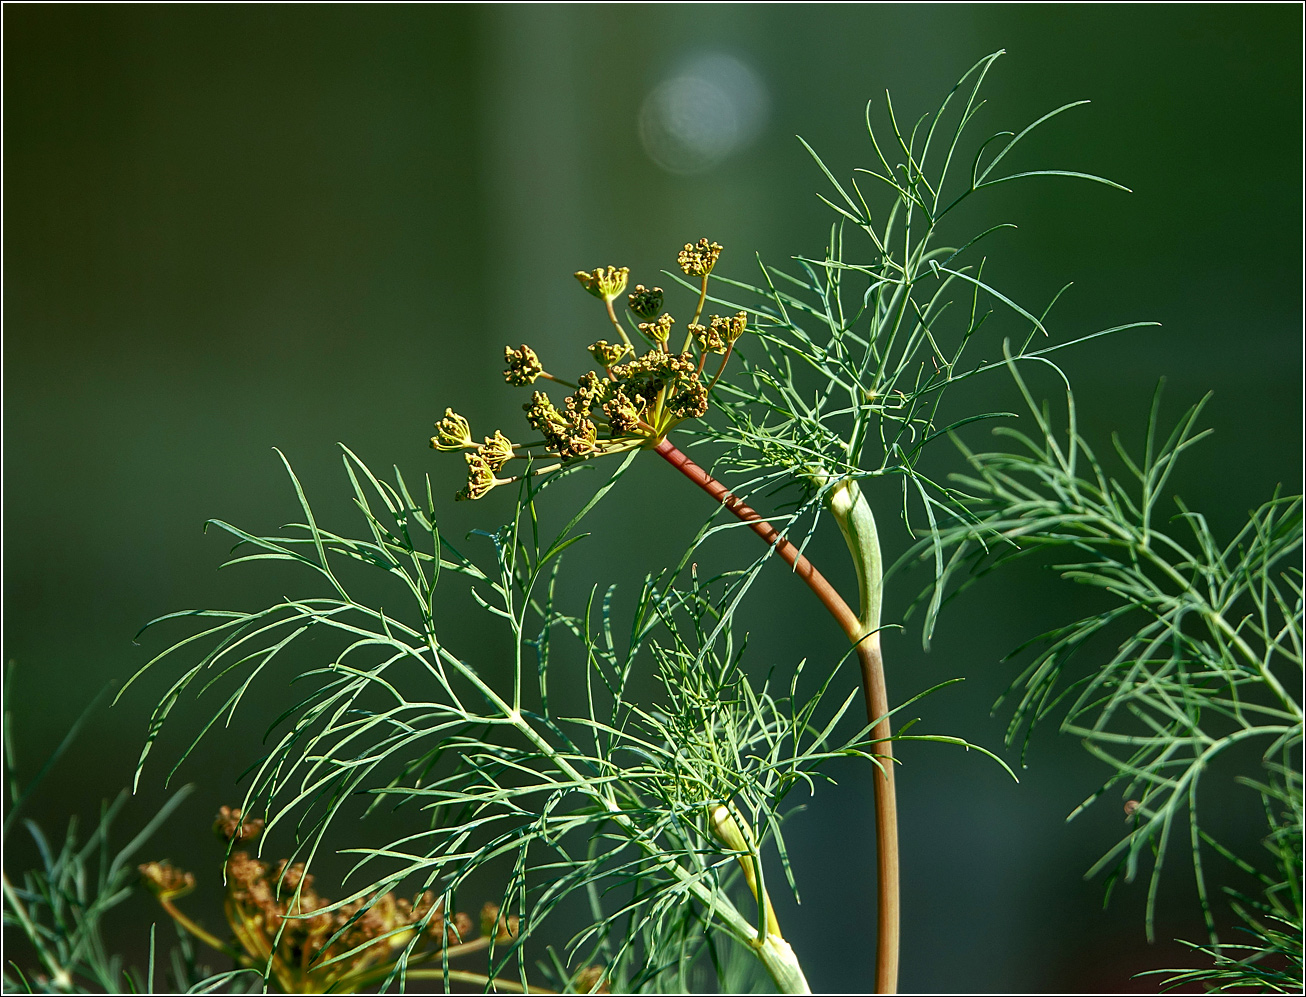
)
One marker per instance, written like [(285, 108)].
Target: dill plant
[(659, 817), (1209, 662)]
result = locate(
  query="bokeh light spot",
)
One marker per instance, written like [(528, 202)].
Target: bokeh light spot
[(713, 106)]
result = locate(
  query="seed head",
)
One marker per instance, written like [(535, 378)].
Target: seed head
[(245, 873), (644, 301), (606, 283), (496, 450), (542, 414), (708, 338), (698, 259), (590, 392), (622, 414), (462, 927), (590, 981), (690, 402), (578, 440), (495, 925), (608, 353), (523, 365), (452, 432), (730, 328), (659, 330), (480, 478)]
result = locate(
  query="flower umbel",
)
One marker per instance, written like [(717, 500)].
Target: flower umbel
[(606, 283), (523, 365), (730, 328), (644, 301), (698, 259), (496, 450), (632, 404), (659, 330), (452, 432), (480, 477), (608, 353)]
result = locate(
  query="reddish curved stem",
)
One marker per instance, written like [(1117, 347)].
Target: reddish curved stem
[(874, 692), (803, 568)]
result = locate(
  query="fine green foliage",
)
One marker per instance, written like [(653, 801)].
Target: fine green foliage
[(1209, 647), (60, 907), (852, 357), (608, 803)]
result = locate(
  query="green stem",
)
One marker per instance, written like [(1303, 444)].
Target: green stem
[(777, 956), (698, 313), (60, 976), (702, 297), (617, 325), (857, 524)]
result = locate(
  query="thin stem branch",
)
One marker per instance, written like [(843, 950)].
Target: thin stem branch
[(702, 297), (720, 370), (863, 631), (556, 380), (209, 939), (774, 953), (479, 979), (617, 325), (698, 313)]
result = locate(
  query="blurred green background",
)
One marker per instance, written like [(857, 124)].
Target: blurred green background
[(239, 227)]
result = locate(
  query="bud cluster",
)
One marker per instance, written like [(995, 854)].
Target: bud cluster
[(659, 330), (633, 404), (606, 283), (523, 366), (645, 302), (277, 909), (698, 259)]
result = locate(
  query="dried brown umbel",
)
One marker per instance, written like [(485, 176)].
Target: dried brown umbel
[(282, 926), (232, 825)]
